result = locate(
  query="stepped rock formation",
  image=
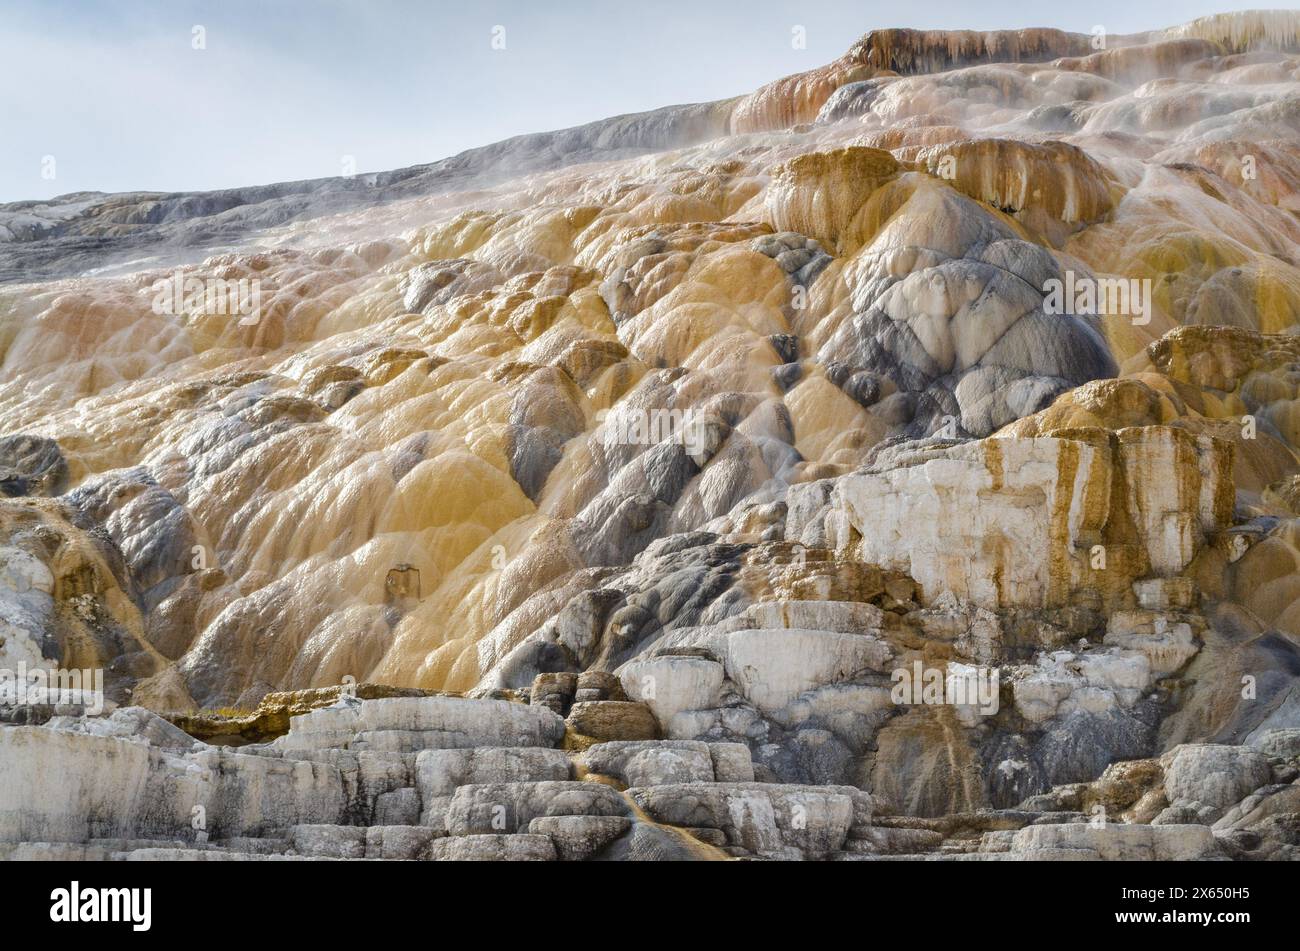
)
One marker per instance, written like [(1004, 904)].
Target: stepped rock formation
[(902, 460)]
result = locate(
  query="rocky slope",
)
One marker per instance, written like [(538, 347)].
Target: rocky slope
[(898, 460)]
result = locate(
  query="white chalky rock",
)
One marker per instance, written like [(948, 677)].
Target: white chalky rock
[(441, 772), (1166, 645), (670, 684), (410, 724), (21, 571), (329, 841), (493, 848), (851, 710), (1001, 522), (1284, 743), (1064, 682), (400, 807), (652, 762), (25, 605), (766, 819), (1217, 776), (1118, 842), (128, 723), (773, 667), (59, 786), (732, 762), (489, 808), (579, 837), (400, 842), (209, 855), (65, 787), (979, 520), (847, 617)]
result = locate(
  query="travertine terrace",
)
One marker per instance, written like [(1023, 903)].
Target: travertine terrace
[(600, 493)]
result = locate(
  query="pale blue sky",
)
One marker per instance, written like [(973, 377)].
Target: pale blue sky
[(286, 88)]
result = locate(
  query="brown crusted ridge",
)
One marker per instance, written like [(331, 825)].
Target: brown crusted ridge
[(794, 99), (798, 98), (1218, 357), (1160, 58), (913, 52), (1057, 179), (821, 194), (271, 718), (1245, 30)]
